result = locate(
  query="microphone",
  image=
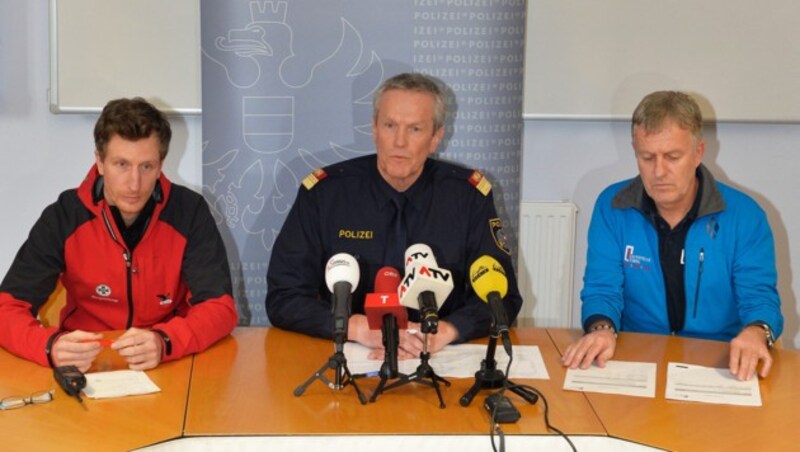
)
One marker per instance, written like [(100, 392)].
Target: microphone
[(341, 276), (385, 300), (385, 313), (425, 286), (490, 284)]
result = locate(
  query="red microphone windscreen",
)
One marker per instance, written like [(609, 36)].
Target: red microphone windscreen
[(386, 280), (384, 300)]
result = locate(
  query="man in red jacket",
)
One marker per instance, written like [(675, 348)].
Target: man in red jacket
[(133, 251)]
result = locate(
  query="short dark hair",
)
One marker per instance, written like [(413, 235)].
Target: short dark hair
[(412, 81), (131, 119), (656, 108)]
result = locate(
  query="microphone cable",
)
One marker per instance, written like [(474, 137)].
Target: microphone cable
[(495, 426)]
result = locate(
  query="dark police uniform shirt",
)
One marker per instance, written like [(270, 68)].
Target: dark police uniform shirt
[(347, 207)]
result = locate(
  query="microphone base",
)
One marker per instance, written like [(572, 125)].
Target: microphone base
[(381, 388), (490, 377), (342, 376), (493, 379), (486, 378), (423, 375)]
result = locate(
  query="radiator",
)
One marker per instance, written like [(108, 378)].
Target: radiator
[(546, 263)]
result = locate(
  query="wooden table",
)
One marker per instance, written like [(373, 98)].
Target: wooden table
[(678, 425), (111, 424), (244, 385)]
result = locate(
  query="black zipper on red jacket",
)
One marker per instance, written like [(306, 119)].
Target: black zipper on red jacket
[(128, 257), (129, 270)]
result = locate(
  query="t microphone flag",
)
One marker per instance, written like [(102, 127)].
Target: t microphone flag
[(385, 300)]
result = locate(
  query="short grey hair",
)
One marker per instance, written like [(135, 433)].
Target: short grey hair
[(419, 83), (661, 106)]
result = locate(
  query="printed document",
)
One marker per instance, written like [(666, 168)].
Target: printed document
[(710, 385), (455, 361), (118, 383), (618, 377)]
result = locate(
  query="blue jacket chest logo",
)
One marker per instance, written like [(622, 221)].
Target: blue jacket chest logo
[(633, 260)]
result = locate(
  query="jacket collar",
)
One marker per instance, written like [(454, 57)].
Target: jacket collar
[(632, 194), (91, 195)]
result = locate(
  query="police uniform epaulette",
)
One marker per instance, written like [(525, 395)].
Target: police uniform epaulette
[(479, 181), (312, 179)]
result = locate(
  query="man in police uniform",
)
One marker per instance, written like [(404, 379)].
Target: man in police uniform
[(353, 207)]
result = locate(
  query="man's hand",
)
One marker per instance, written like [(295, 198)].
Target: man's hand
[(140, 348), (411, 340), (410, 343), (76, 348), (358, 331), (747, 349), (599, 345)]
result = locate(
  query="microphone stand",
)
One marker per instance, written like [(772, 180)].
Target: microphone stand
[(342, 376), (490, 377), (391, 342), (424, 371)]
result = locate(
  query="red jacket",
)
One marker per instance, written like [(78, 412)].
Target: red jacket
[(177, 280)]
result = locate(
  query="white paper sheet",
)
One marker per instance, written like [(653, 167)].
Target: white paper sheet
[(118, 383), (456, 361), (710, 385), (618, 377)]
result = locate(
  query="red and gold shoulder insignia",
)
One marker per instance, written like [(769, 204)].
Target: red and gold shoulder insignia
[(313, 178), (479, 181)]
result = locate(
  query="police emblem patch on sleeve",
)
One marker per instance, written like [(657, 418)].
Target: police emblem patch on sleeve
[(315, 176), (480, 182), (499, 235)]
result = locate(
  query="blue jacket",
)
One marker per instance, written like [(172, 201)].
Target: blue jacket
[(729, 272)]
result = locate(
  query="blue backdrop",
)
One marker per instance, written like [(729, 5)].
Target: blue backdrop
[(287, 88)]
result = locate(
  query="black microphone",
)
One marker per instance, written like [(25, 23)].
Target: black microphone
[(341, 276), (384, 312)]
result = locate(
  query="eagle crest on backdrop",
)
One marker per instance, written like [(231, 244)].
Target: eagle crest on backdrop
[(302, 107)]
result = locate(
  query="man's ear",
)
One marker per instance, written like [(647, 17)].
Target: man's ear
[(701, 149), (437, 138)]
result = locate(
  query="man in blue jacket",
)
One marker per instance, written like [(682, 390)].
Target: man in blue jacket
[(673, 251)]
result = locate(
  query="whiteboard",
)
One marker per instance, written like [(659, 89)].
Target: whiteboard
[(590, 59), (106, 49)]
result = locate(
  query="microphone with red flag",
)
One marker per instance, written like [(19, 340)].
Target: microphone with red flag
[(384, 312), (385, 300)]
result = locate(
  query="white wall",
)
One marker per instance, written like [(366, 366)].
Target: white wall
[(42, 154), (575, 160)]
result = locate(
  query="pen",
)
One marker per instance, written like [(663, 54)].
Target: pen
[(103, 342)]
